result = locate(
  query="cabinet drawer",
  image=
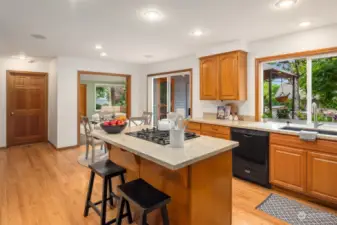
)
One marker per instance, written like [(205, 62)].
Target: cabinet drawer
[(193, 126), (216, 135), (294, 141), (223, 136), (194, 131), (215, 129)]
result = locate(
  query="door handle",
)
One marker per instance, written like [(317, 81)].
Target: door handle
[(12, 113)]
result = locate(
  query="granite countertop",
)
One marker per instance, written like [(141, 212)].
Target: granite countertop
[(194, 150), (273, 127)]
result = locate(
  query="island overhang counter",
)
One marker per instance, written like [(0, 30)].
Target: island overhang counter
[(198, 177)]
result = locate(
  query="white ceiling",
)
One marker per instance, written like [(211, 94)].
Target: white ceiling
[(73, 27)]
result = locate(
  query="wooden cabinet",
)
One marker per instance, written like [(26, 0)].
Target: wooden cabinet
[(209, 78), (288, 167), (224, 76), (228, 82), (306, 167), (209, 130), (322, 171)]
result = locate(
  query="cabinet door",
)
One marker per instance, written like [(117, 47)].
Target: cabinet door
[(288, 167), (209, 78), (322, 171), (228, 77)]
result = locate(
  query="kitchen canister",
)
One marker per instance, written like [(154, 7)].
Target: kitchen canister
[(177, 138)]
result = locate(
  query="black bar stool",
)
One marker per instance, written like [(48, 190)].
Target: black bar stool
[(145, 197), (107, 170)]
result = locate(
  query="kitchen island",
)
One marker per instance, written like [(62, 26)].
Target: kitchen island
[(198, 177)]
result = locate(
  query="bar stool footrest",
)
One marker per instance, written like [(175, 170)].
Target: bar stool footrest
[(114, 220)]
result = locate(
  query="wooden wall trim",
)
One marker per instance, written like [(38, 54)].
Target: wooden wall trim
[(128, 97), (83, 72), (64, 148), (189, 70), (258, 62), (223, 53), (169, 72)]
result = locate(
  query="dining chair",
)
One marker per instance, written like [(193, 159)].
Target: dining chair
[(90, 140), (145, 119)]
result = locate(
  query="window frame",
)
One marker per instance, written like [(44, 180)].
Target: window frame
[(309, 60), (105, 85)]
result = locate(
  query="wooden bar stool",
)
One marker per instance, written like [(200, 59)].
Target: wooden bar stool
[(107, 170), (145, 197)]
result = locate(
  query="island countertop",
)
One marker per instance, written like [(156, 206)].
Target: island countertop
[(194, 150)]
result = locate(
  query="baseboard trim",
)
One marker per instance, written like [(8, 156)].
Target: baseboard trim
[(52, 145), (69, 147), (64, 148), (3, 148)]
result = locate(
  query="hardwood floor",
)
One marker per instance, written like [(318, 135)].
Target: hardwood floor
[(39, 185)]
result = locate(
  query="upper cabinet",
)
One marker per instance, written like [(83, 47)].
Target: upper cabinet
[(224, 76), (209, 77)]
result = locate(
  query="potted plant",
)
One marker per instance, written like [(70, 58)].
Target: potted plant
[(266, 116)]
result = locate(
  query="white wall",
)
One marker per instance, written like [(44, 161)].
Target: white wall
[(307, 40), (52, 103), (41, 65), (67, 92)]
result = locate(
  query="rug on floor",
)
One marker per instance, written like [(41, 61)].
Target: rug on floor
[(295, 213), (99, 156)]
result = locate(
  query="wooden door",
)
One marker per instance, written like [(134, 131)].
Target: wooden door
[(209, 78), (322, 171), (27, 107), (288, 167), (83, 100), (228, 76)]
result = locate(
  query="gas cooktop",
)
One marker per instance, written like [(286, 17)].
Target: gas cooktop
[(159, 137)]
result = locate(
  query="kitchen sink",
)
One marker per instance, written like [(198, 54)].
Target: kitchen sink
[(298, 129)]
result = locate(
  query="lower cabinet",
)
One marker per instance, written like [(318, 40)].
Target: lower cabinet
[(322, 172), (309, 168), (288, 167)]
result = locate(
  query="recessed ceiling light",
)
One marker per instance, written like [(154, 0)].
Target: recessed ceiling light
[(38, 36), (285, 3), (148, 56), (21, 56), (197, 33), (103, 54), (98, 47), (152, 15), (305, 24)]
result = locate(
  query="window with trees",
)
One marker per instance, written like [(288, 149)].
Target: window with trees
[(291, 86), (110, 95)]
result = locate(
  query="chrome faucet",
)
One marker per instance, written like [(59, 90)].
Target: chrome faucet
[(314, 110)]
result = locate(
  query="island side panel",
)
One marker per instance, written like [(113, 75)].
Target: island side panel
[(126, 160), (211, 190), (174, 184), (131, 163)]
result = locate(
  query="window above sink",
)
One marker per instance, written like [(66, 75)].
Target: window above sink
[(291, 86)]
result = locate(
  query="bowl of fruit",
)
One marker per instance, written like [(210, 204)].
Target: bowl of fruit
[(114, 126)]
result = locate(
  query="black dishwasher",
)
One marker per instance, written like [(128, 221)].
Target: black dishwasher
[(251, 158)]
